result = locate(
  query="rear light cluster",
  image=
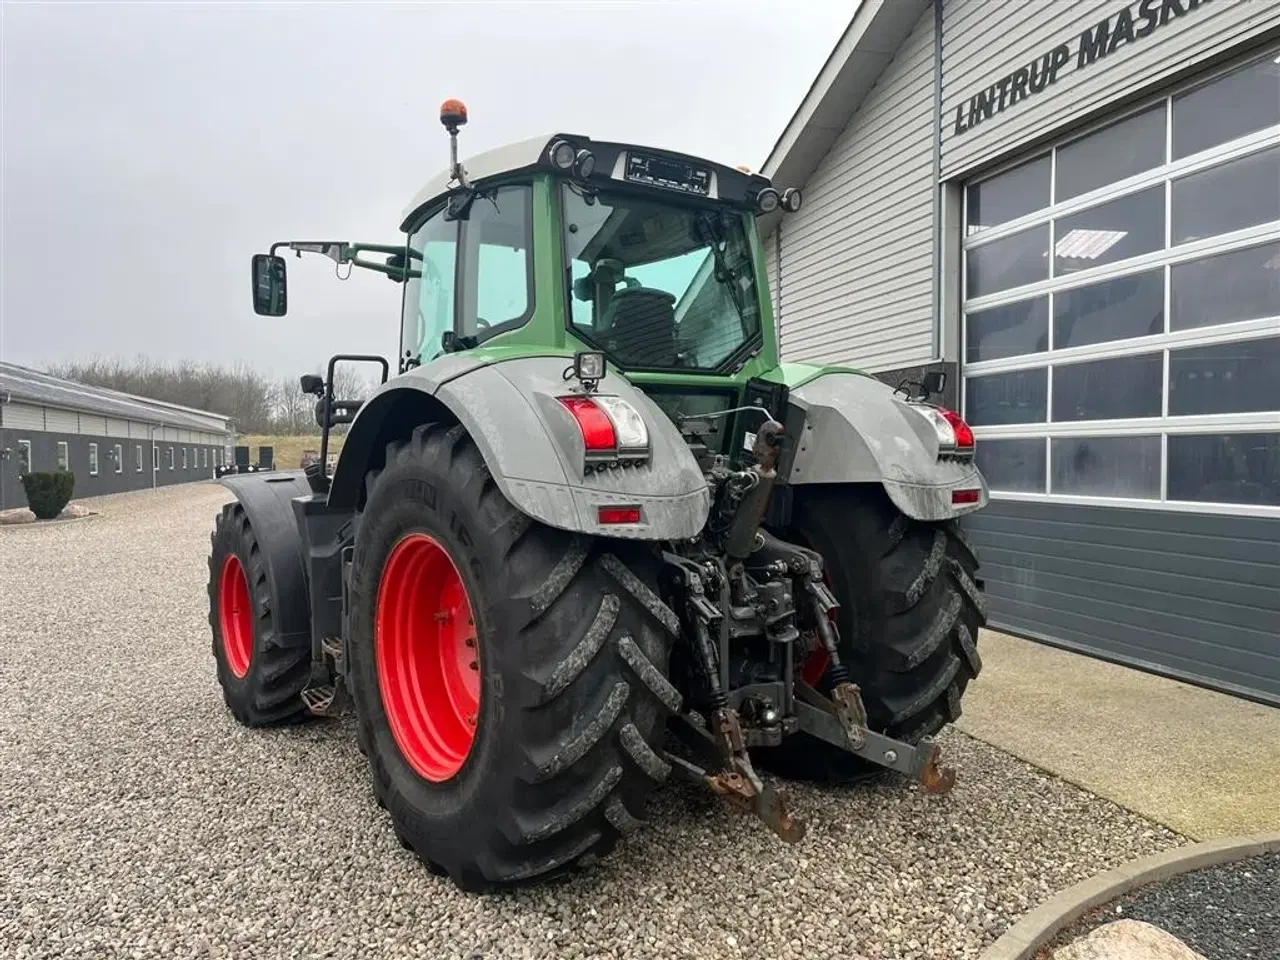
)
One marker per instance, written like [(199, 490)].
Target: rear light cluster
[(955, 438), (613, 432), (613, 435)]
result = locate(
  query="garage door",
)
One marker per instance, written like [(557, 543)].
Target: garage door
[(1121, 349)]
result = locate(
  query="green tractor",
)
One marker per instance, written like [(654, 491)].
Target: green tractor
[(594, 533)]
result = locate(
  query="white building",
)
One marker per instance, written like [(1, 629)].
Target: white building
[(111, 441), (1074, 209)]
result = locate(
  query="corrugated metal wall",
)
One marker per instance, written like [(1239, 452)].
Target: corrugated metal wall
[(61, 421), (857, 259), (22, 416), (984, 41), (1192, 595)]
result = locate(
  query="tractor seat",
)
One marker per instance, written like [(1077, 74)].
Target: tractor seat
[(640, 327)]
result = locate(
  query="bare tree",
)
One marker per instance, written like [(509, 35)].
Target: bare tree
[(239, 392), (258, 404)]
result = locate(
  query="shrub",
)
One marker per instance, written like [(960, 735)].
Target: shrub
[(48, 492)]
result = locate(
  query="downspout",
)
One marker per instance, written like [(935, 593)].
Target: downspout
[(937, 180), (155, 460)]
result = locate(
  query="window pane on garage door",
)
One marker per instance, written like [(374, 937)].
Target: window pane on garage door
[(1107, 466), (1010, 262), (1240, 377), (1127, 227), (1019, 397), (1240, 285), (1113, 153), (1115, 389), (1233, 106), (1013, 465), (1225, 468), (1236, 195), (1009, 195), (1009, 331), (1117, 309)]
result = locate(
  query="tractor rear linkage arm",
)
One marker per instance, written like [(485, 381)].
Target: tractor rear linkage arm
[(755, 578)]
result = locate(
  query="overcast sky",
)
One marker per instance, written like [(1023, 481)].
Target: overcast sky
[(150, 148)]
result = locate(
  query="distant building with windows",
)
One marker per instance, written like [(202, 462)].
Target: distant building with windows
[(1073, 209), (113, 442)]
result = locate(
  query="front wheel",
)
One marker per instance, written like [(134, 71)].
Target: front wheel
[(910, 611), (510, 680), (262, 673)]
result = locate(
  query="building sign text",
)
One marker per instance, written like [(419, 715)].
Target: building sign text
[(1132, 23)]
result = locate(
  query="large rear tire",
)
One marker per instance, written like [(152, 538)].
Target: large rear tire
[(561, 663), (910, 610), (261, 672)]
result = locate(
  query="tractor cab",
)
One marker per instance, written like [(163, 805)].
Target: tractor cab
[(566, 244)]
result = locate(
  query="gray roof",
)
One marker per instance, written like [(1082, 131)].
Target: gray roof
[(32, 386)]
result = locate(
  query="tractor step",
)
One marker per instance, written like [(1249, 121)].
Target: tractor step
[(325, 701), (332, 648)]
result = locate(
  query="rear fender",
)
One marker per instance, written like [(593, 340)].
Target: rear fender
[(533, 446), (857, 430), (268, 503)]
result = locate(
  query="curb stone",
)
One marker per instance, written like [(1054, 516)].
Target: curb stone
[(1043, 923)]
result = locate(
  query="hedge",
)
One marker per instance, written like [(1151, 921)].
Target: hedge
[(48, 492)]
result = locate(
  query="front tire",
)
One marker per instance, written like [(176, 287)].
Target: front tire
[(568, 686), (910, 610), (262, 674)]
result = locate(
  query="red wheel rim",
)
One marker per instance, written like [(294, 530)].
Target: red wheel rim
[(428, 657), (235, 616)]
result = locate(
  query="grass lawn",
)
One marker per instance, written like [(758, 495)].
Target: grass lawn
[(288, 450)]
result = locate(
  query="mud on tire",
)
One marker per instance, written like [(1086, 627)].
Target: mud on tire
[(573, 646), (911, 608), (261, 673)]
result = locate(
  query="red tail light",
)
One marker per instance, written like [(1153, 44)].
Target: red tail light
[(613, 431), (955, 438), (963, 433), (597, 429), (959, 497)]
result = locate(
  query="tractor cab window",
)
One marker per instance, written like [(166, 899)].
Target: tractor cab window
[(472, 277), (429, 292), (659, 286), (497, 263)]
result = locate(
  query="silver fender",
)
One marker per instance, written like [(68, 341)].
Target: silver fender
[(857, 430), (534, 449)]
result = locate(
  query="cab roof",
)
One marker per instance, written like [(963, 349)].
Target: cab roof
[(726, 183)]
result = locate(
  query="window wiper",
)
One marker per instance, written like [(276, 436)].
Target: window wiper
[(722, 273)]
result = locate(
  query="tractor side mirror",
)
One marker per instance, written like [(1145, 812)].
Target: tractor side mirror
[(270, 288), (313, 383), (934, 382)]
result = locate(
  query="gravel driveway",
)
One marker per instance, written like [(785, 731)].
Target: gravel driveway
[(137, 820)]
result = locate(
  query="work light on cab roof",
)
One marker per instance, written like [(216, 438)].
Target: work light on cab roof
[(594, 512)]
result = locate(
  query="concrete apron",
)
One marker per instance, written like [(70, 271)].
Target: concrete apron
[(1204, 764)]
